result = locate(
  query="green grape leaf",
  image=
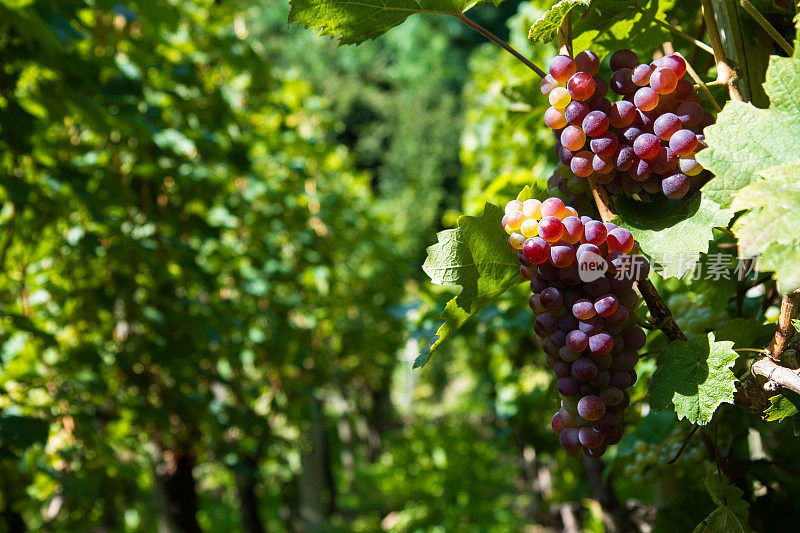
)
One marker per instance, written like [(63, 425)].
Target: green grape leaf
[(695, 376), (475, 256), (747, 140), (782, 406), (672, 232), (546, 26), (354, 22), (732, 512), (615, 24), (745, 333), (771, 226)]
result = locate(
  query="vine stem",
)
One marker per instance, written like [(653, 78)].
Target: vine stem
[(701, 84), (768, 367), (500, 42), (724, 72), (700, 44), (769, 28), (785, 327)]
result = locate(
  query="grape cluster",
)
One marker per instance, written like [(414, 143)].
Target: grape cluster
[(646, 461), (641, 145), (587, 328)]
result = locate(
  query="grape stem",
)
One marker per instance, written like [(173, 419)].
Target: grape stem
[(702, 84), (700, 44), (685, 443), (769, 28), (785, 326), (724, 72), (499, 42)]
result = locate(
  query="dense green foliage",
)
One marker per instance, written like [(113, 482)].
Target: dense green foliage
[(212, 228)]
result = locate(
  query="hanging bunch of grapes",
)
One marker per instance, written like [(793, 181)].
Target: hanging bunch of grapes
[(641, 145), (581, 274)]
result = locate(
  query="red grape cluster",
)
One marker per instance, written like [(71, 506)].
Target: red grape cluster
[(640, 145), (581, 274)]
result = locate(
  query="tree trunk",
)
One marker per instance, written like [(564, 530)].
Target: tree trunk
[(181, 490), (248, 501), (313, 511), (615, 517)]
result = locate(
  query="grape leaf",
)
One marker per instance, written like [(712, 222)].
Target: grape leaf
[(695, 377), (782, 406), (674, 231), (733, 510), (474, 255), (747, 140), (546, 26), (355, 21), (771, 227), (745, 333)]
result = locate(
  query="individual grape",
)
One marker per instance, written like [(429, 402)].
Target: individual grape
[(544, 324), (559, 98), (604, 145), (620, 316), (675, 63), (611, 396), (562, 369), (690, 166), (591, 408), (645, 98), (646, 146), (625, 360), (683, 142), (568, 386), (584, 369), (552, 298), (594, 232), (630, 134), (593, 326), (620, 379), (675, 186), (665, 125), (595, 453), (595, 123), (621, 82), (641, 74), (550, 229), (641, 170), (590, 437), (538, 284), (528, 229), (535, 250), (663, 80), (562, 68), (527, 272), (684, 90), (516, 240), (570, 440), (602, 166), (622, 114), (569, 417), (690, 113), (573, 229), (596, 287), (665, 162), (583, 309), (565, 155), (514, 221), (634, 338), (577, 341), (624, 59), (568, 322), (607, 423), (600, 343), (568, 355), (562, 255), (645, 120), (557, 424), (549, 83), (573, 138), (532, 208), (624, 158), (514, 206), (620, 240), (605, 305), (581, 164), (548, 271), (553, 207), (581, 86), (558, 337), (554, 118), (602, 378), (588, 61), (575, 112), (600, 104)]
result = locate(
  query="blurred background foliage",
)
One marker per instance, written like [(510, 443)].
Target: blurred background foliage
[(212, 227)]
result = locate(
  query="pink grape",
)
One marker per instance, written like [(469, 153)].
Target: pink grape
[(663, 80), (583, 309), (622, 114), (575, 112), (550, 229), (641, 74), (683, 142), (573, 229), (562, 68), (676, 63), (621, 82), (535, 250), (684, 90), (675, 186), (595, 123), (646, 98), (554, 118), (573, 138), (588, 61), (646, 146), (624, 59), (620, 240), (604, 145), (548, 84), (665, 125), (581, 86), (591, 408), (581, 164)]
